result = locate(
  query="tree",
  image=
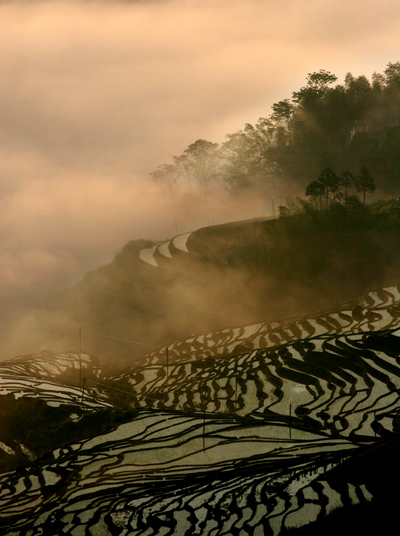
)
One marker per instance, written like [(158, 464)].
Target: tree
[(347, 180), (392, 77), (364, 183), (331, 183), (200, 163), (282, 111), (168, 176), (321, 79), (248, 155), (316, 190), (317, 85), (359, 96), (327, 185), (389, 148), (281, 116)]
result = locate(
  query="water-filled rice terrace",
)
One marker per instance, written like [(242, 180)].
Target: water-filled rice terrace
[(261, 429)]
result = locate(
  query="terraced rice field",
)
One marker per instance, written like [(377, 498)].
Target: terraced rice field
[(250, 431)]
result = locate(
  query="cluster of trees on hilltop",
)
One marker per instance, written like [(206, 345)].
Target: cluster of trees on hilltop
[(331, 187), (345, 126), (332, 191)]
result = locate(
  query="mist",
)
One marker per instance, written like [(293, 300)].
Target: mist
[(98, 94)]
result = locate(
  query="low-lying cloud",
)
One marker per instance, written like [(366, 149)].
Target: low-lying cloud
[(97, 94)]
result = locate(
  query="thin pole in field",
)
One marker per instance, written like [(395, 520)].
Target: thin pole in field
[(80, 357)]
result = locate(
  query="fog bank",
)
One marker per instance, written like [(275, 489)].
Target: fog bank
[(97, 94)]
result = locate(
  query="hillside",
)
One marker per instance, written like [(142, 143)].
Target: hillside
[(216, 277), (239, 379), (259, 429)]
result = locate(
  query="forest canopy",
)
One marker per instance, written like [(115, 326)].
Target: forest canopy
[(347, 126)]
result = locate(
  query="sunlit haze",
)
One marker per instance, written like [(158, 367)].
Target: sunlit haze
[(96, 95)]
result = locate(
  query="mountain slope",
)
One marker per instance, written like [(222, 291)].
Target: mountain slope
[(217, 277)]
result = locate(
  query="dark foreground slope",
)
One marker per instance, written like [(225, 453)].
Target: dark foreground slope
[(298, 431)]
